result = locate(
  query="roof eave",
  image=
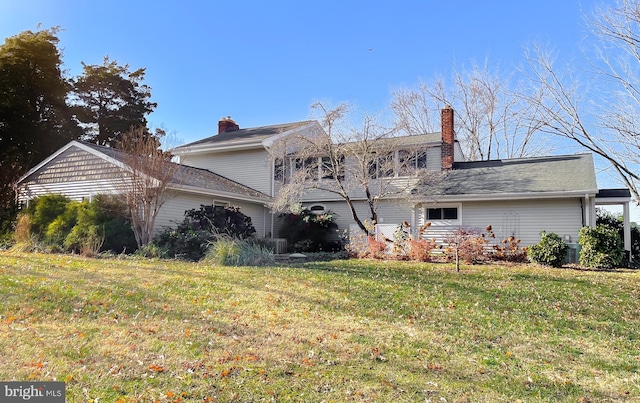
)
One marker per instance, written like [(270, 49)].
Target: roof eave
[(511, 196), (229, 195), (212, 148)]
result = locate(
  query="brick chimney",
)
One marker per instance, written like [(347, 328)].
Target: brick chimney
[(227, 125), (447, 137)]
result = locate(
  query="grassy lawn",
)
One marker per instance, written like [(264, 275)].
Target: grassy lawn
[(143, 331)]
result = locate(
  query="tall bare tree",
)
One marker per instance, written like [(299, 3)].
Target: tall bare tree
[(597, 104), (369, 163), (146, 179), (491, 115)]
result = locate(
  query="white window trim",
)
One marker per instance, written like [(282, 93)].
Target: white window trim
[(317, 212), (443, 222)]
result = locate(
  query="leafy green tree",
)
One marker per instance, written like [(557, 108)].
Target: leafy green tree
[(35, 119), (109, 99)]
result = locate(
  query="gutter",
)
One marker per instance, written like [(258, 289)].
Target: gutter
[(507, 196)]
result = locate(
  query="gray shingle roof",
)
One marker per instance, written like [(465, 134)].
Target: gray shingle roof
[(252, 134), (564, 173), (190, 176)]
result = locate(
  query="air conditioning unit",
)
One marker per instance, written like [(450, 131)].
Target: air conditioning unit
[(573, 253)]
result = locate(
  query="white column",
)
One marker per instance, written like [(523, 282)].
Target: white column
[(627, 226), (414, 226), (587, 211)]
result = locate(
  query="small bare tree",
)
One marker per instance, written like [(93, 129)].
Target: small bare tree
[(597, 105), (491, 115), (367, 164), (146, 179)]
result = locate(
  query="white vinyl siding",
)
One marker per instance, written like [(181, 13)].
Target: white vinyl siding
[(522, 219), (251, 168), (434, 159), (388, 213), (172, 212), (526, 219)]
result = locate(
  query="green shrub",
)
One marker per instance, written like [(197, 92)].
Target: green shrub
[(43, 210), (222, 220), (62, 224), (56, 232), (550, 251), (115, 224), (306, 231), (200, 228), (8, 221), (601, 247), (613, 220)]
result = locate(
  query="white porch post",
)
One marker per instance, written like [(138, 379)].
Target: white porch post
[(414, 227), (627, 227), (587, 211)]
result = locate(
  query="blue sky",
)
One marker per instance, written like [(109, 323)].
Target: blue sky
[(266, 62)]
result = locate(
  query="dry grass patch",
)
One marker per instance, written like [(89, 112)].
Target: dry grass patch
[(139, 330)]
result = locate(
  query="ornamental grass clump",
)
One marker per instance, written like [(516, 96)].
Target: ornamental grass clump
[(228, 251)]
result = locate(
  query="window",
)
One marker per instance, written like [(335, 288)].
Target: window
[(317, 209), (329, 168), (307, 165), (409, 161), (220, 203), (313, 167), (278, 170), (442, 213), (381, 166)]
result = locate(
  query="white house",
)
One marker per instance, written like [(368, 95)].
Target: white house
[(517, 197)]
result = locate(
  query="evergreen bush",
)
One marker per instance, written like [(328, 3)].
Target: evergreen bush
[(201, 228), (86, 227), (550, 251), (601, 247), (307, 231)]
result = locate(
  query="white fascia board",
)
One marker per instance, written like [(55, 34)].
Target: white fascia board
[(229, 195), (47, 160), (268, 142), (508, 196), (209, 148), (612, 200)]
